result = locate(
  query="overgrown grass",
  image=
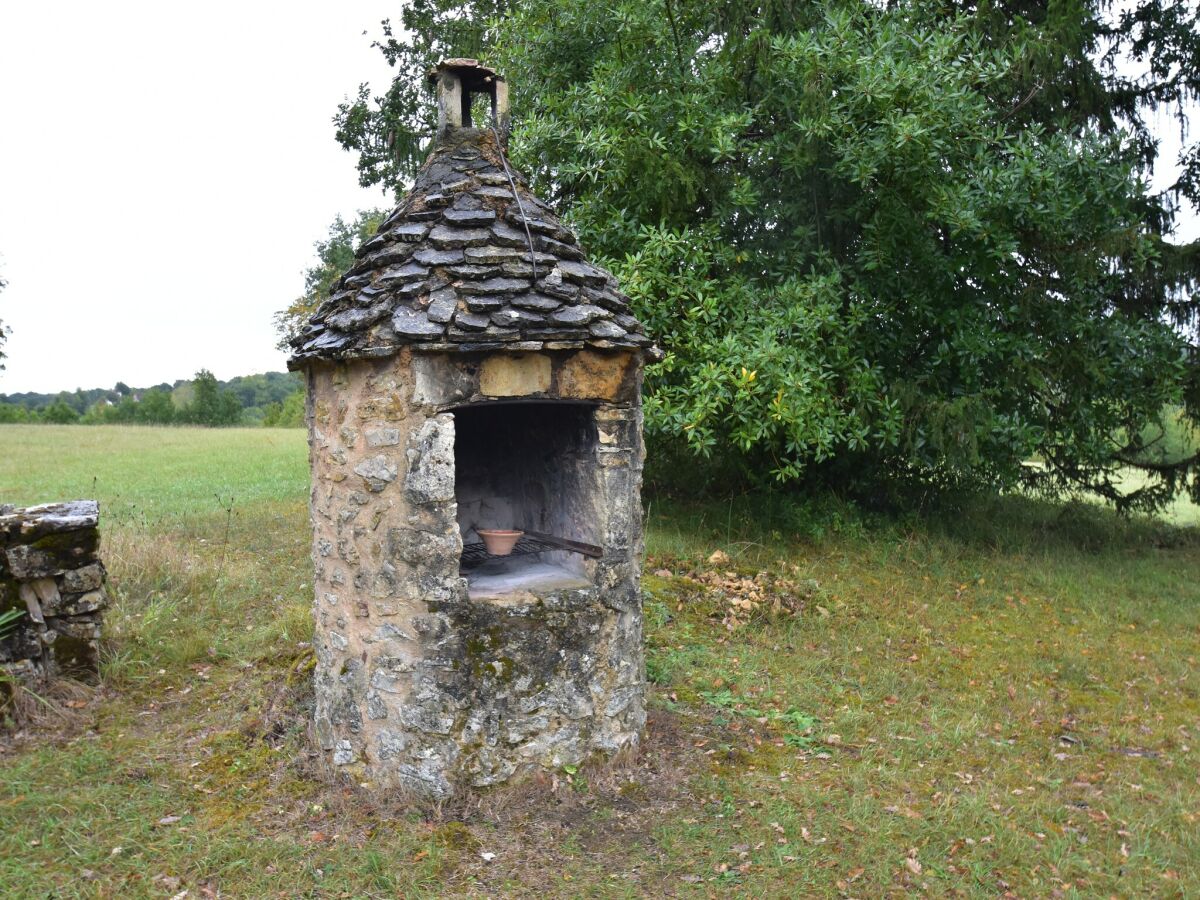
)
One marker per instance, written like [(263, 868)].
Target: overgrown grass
[(997, 697)]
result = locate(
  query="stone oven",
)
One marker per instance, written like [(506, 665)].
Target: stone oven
[(473, 371)]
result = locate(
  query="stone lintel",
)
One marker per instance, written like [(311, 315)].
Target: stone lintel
[(514, 375)]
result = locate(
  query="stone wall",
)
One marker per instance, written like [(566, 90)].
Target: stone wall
[(419, 686), (50, 570)]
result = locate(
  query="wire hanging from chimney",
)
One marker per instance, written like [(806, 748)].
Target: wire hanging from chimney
[(520, 206)]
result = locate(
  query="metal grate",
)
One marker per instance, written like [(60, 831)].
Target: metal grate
[(530, 542)]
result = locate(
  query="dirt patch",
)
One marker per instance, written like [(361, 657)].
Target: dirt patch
[(604, 813), (506, 840)]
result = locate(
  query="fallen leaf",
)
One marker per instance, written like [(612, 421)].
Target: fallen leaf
[(913, 865), (169, 820), (487, 856), (718, 558)]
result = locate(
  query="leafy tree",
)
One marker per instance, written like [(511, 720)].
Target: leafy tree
[(890, 241), (334, 256), (155, 408), (211, 405), (11, 413), (60, 413), (100, 413), (260, 390), (287, 414)]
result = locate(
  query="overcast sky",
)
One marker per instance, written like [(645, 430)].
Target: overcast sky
[(164, 171)]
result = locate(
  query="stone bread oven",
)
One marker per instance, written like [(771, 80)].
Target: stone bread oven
[(473, 371)]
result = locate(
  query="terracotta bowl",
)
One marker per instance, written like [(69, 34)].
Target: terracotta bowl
[(498, 541)]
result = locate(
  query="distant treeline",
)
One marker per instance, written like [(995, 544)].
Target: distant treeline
[(274, 399)]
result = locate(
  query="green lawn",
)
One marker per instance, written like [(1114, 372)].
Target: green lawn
[(152, 474), (999, 698)]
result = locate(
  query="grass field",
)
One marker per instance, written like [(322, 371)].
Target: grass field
[(998, 699)]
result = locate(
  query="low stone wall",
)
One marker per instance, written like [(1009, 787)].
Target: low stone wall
[(50, 571)]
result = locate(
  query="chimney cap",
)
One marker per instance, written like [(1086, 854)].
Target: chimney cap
[(475, 75)]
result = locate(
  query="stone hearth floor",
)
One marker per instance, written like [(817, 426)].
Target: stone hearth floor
[(498, 577)]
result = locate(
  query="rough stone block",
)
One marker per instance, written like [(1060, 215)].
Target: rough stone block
[(430, 477), (414, 323), (52, 554), (377, 472), (595, 376), (515, 375), (49, 518), (383, 437), (436, 381)]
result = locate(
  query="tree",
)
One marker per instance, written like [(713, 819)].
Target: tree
[(210, 404), (60, 413), (287, 414), (877, 243), (155, 408), (12, 413), (335, 254)]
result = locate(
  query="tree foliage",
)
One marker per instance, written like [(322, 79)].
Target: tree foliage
[(335, 254), (289, 413), (211, 404), (905, 242), (272, 398), (59, 413)]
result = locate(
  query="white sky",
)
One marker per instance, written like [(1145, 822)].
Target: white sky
[(164, 171)]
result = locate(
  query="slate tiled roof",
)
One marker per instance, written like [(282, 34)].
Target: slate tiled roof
[(451, 269)]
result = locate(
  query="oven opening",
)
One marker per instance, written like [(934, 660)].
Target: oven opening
[(532, 468)]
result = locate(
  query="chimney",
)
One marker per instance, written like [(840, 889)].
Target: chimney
[(457, 81)]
